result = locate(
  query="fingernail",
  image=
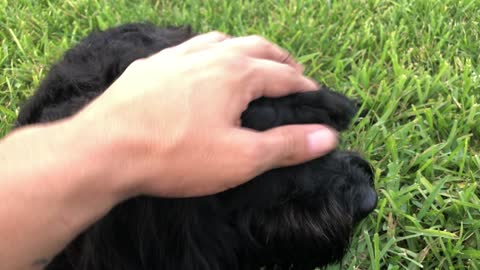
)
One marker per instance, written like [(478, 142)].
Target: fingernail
[(322, 141)]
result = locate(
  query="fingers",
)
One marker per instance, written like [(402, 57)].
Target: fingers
[(251, 46), (201, 42), (259, 47), (287, 145), (272, 79), (264, 68)]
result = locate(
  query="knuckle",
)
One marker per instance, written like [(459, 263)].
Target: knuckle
[(256, 39), (289, 144), (290, 71), (253, 157), (217, 34), (261, 42), (252, 150), (234, 61), (137, 64), (168, 51)]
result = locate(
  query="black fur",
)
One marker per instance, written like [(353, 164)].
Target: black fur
[(299, 217)]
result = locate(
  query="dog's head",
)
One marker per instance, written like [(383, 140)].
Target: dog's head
[(302, 216), (299, 217)]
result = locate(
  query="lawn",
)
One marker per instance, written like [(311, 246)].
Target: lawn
[(414, 65)]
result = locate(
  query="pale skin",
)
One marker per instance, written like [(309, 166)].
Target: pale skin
[(169, 127)]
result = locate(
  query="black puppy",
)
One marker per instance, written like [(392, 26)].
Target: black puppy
[(300, 217)]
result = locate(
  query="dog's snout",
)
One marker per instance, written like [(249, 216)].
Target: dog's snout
[(361, 177), (354, 161), (365, 203)]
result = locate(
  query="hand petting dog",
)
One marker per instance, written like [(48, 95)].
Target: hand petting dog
[(185, 117), (177, 134)]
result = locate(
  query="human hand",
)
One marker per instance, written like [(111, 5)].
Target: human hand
[(172, 121)]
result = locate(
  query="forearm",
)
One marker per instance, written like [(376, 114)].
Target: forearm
[(53, 184)]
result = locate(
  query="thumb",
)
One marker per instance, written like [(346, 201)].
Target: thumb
[(294, 144)]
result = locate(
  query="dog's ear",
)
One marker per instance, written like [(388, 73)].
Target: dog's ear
[(323, 106)]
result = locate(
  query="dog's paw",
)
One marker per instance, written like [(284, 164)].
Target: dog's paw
[(317, 107)]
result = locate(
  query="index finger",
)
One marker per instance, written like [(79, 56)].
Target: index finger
[(200, 42), (272, 79), (259, 47)]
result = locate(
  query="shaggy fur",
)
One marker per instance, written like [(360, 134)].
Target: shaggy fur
[(299, 217)]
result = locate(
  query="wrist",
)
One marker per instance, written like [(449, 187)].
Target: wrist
[(77, 171), (99, 160), (81, 181), (113, 156), (55, 181)]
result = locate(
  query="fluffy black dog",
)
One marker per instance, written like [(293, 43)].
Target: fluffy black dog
[(300, 217)]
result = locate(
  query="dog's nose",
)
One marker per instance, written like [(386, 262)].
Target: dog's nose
[(366, 199), (361, 174), (365, 203)]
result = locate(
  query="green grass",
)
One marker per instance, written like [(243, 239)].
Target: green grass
[(414, 64)]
